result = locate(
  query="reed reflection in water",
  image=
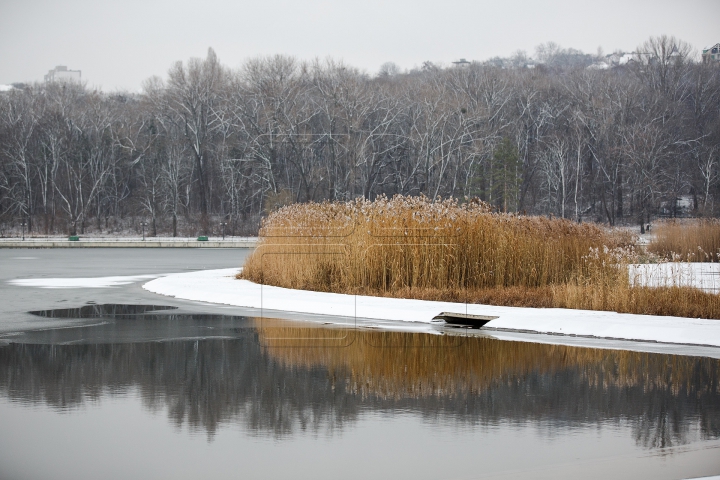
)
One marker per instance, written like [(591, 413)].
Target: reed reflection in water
[(263, 382)]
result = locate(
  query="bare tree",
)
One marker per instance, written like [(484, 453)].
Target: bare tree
[(209, 144), (192, 97)]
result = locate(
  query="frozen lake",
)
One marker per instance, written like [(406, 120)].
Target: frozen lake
[(92, 387)]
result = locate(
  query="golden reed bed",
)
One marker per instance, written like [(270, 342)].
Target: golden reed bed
[(696, 240), (415, 247)]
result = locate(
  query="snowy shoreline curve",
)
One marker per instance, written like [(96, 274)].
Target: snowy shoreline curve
[(220, 286)]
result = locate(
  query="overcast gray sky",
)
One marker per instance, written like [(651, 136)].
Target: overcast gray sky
[(118, 44)]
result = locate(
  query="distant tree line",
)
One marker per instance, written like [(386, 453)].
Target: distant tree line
[(209, 144)]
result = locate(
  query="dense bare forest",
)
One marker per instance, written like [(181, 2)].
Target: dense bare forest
[(208, 144)]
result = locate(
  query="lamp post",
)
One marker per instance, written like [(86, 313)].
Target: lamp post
[(223, 225), (23, 224), (143, 224)]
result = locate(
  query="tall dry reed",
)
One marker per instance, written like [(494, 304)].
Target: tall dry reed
[(409, 243), (695, 240)]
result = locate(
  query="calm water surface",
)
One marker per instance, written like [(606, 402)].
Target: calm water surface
[(121, 388)]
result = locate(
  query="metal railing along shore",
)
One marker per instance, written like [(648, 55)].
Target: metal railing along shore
[(127, 242)]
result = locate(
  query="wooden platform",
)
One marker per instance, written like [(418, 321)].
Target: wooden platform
[(464, 319)]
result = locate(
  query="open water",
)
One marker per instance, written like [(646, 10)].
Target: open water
[(116, 382)]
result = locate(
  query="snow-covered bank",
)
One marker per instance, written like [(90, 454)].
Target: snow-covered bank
[(220, 286)]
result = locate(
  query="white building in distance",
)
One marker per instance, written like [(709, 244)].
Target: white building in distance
[(711, 53), (62, 74)]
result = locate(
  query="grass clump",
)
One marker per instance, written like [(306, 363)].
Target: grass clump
[(687, 240)]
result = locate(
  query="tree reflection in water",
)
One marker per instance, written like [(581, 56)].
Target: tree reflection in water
[(109, 310), (261, 383)]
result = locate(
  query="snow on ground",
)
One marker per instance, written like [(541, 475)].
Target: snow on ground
[(92, 282), (705, 276), (220, 286)]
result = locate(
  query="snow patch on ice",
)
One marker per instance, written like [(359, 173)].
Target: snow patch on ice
[(93, 282)]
